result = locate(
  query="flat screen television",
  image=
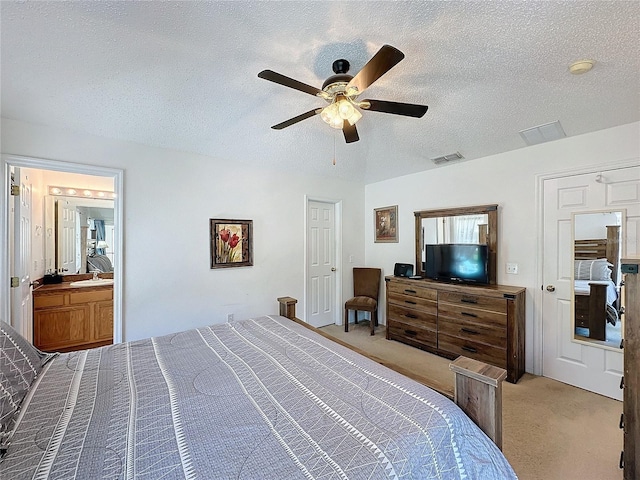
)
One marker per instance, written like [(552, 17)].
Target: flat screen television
[(457, 262)]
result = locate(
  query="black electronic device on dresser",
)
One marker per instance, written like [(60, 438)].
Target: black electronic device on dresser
[(403, 270)]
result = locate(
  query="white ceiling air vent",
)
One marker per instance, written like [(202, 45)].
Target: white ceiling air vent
[(447, 158), (543, 133)]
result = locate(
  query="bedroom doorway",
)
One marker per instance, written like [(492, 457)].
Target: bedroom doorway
[(322, 278), (36, 168), (593, 367)]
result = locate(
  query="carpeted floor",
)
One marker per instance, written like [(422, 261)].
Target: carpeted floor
[(551, 431)]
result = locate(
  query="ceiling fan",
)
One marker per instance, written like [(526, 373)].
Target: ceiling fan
[(341, 91)]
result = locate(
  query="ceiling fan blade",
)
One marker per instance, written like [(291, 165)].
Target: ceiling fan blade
[(350, 132), (297, 119), (383, 61), (288, 82), (396, 108)]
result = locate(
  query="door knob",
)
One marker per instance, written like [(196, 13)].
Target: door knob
[(333, 269), (551, 288)]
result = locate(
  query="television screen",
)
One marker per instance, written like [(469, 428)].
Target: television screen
[(457, 262)]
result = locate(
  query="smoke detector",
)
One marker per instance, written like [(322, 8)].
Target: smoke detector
[(581, 66)]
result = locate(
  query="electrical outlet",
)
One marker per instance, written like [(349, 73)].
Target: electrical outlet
[(229, 317), (512, 268), (350, 258)]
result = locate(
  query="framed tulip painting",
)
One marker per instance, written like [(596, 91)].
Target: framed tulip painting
[(231, 243)]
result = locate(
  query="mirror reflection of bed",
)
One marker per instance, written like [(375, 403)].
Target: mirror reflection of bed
[(597, 279)]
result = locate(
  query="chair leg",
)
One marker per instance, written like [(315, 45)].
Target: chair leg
[(346, 319), (373, 321)]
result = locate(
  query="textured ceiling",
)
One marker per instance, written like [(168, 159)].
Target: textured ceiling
[(183, 75)]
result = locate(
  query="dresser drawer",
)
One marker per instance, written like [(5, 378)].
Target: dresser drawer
[(475, 301), (412, 302), (412, 291), (473, 315), (427, 319), (479, 351), (411, 333), (473, 332)]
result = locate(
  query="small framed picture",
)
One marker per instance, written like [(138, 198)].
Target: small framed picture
[(231, 243), (386, 224)]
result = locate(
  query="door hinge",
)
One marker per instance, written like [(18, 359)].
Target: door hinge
[(15, 282), (15, 190)]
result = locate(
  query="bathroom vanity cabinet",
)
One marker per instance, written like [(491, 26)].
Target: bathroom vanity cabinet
[(67, 318)]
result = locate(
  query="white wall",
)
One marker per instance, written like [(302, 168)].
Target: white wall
[(508, 179), (169, 198)]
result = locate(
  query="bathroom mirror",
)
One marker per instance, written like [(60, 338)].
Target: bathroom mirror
[(473, 225), (78, 234), (596, 286)]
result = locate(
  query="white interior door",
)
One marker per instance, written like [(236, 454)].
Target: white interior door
[(593, 368), (66, 231), (21, 302), (321, 264)]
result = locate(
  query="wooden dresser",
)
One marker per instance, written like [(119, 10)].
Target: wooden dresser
[(486, 323), (69, 318)]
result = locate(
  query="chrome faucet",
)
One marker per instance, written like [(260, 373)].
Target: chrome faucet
[(95, 275)]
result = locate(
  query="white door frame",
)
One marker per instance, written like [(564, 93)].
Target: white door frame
[(337, 307), (7, 161), (538, 292)]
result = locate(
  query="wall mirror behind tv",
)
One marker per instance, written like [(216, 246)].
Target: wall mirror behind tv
[(461, 228)]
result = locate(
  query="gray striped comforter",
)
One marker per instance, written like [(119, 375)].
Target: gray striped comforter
[(263, 398)]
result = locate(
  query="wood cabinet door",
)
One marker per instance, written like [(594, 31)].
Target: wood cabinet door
[(62, 327), (103, 321)]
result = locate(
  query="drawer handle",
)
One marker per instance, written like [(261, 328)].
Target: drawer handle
[(410, 302), (622, 421), (622, 459), (468, 330), (469, 349), (410, 332), (410, 315), (410, 291), (469, 300), (469, 314), (621, 382)]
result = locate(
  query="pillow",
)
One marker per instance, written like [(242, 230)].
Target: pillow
[(20, 364), (592, 269)]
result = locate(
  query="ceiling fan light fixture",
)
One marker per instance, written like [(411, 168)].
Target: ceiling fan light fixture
[(345, 109), (337, 112), (331, 116), (355, 116)]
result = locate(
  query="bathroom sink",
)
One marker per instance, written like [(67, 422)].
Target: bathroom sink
[(92, 283)]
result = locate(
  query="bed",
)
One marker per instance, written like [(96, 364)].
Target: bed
[(596, 263), (259, 398)]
